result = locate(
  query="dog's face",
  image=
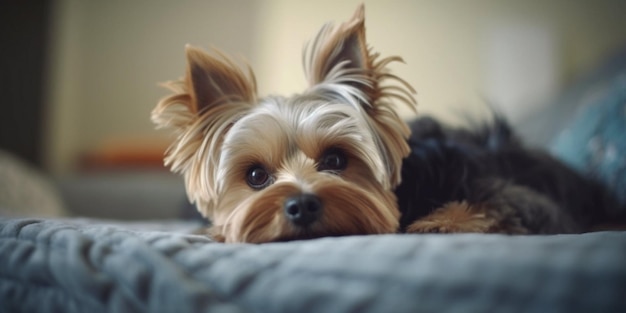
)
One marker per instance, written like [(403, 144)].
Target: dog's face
[(302, 167), (321, 163)]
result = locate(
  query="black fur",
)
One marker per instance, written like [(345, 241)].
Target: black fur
[(489, 165)]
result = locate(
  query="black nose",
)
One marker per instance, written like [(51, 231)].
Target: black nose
[(303, 209)]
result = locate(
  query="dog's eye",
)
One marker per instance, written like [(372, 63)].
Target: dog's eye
[(333, 160), (258, 178)]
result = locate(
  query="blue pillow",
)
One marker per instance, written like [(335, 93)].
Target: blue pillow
[(595, 142)]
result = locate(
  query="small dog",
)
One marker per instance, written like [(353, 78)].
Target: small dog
[(338, 160)]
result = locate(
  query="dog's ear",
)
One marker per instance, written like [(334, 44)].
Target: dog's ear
[(203, 106), (214, 80), (340, 57), (340, 66), (337, 50)]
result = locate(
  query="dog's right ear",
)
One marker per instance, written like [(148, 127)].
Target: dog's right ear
[(213, 94), (210, 81), (214, 80)]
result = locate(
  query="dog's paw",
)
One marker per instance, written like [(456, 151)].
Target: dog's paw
[(455, 217)]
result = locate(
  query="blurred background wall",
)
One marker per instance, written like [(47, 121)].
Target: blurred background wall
[(105, 58)]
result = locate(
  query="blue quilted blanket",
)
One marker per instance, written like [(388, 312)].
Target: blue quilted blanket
[(95, 266)]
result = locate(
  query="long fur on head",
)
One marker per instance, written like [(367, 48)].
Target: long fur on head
[(213, 102), (338, 63), (213, 94)]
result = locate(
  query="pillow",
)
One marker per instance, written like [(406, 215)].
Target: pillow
[(25, 191), (595, 142)]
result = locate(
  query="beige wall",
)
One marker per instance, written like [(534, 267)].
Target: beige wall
[(108, 56)]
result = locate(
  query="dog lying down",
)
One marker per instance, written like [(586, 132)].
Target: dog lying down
[(338, 160)]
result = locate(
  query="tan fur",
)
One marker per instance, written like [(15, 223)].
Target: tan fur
[(455, 217), (327, 61), (223, 129), (460, 217), (200, 115)]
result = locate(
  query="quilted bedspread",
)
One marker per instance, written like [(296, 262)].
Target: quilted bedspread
[(94, 266)]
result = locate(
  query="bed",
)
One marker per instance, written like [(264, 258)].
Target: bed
[(80, 265)]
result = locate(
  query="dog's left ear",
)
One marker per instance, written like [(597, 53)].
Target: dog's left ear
[(340, 56), (338, 50), (340, 66)]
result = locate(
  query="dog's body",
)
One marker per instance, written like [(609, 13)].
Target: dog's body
[(329, 161), (483, 179)]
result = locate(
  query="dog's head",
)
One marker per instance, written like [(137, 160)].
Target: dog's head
[(320, 163)]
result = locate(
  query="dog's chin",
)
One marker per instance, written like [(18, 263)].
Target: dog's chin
[(308, 234), (302, 234), (292, 234), (348, 210)]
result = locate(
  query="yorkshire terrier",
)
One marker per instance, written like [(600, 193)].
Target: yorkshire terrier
[(338, 160)]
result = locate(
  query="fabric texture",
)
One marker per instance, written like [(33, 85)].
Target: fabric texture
[(90, 266)]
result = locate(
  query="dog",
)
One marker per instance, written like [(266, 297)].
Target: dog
[(338, 160)]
